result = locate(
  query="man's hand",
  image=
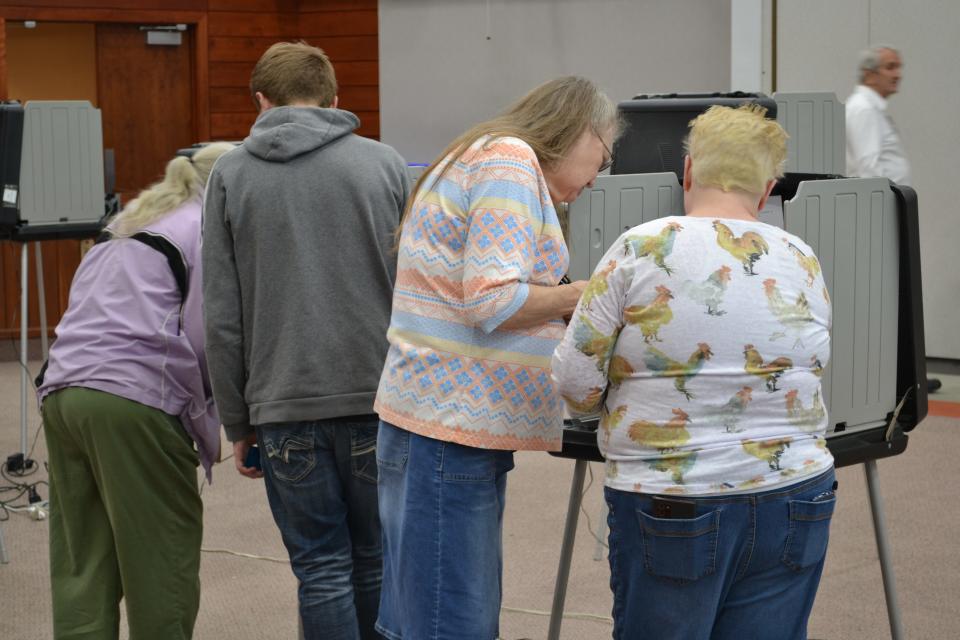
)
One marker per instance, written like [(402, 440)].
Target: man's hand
[(240, 449)]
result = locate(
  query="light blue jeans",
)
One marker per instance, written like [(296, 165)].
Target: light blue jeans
[(441, 507), (321, 481), (744, 567)]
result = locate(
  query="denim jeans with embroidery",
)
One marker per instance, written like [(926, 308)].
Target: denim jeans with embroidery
[(321, 481)]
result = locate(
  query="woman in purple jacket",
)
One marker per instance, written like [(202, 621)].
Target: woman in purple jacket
[(128, 415)]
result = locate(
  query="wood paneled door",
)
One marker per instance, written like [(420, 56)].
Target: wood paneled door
[(146, 101)]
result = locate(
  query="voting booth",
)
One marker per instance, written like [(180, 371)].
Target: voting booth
[(52, 175), (865, 233)]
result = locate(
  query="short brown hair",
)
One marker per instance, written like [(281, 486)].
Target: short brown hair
[(292, 72)]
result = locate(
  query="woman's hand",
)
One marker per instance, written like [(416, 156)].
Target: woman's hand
[(544, 304)]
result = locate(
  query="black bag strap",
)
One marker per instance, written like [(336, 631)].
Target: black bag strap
[(169, 250), (174, 258)]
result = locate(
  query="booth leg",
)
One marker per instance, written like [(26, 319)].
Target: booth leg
[(42, 304), (566, 549), (24, 371), (886, 565), (4, 558)]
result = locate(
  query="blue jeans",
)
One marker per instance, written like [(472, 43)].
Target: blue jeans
[(745, 567), (441, 505), (321, 481)]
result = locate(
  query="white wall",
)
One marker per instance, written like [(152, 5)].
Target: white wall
[(447, 64), (817, 45)]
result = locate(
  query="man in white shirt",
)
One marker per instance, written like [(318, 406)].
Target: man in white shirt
[(874, 148)]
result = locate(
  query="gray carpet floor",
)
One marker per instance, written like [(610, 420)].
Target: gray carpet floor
[(255, 597)]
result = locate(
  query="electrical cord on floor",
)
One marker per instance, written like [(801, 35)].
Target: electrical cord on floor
[(593, 617), (28, 459), (35, 507), (240, 554)]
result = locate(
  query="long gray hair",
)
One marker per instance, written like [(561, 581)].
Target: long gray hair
[(550, 118)]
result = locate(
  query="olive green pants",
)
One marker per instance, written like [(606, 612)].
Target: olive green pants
[(126, 518)]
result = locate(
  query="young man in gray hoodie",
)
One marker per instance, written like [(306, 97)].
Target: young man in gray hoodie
[(298, 276)]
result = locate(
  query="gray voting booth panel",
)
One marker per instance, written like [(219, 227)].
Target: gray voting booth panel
[(816, 125), (851, 226), (61, 169), (613, 205)]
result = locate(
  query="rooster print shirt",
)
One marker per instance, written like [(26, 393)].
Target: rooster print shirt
[(701, 343)]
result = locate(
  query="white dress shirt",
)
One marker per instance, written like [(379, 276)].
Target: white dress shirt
[(874, 148)]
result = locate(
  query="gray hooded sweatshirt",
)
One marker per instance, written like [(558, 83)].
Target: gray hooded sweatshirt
[(298, 264)]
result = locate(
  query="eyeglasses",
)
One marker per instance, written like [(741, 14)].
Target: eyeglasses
[(608, 161)]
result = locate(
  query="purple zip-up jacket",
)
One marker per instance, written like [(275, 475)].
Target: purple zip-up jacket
[(125, 333)]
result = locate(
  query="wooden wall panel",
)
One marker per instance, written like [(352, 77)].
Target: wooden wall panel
[(127, 5), (3, 58), (340, 23), (307, 6), (347, 31), (239, 31), (238, 49), (231, 75), (264, 6), (362, 74), (230, 37), (56, 283), (236, 24)]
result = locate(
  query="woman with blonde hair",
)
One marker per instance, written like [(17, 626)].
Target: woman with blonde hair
[(477, 311), (128, 415), (705, 350)]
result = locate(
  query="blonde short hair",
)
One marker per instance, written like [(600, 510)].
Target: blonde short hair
[(736, 149)]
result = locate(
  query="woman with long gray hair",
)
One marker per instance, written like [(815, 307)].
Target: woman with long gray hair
[(128, 415), (477, 312)]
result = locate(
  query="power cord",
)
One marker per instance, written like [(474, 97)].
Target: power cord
[(35, 507), (245, 555), (17, 463), (593, 617)]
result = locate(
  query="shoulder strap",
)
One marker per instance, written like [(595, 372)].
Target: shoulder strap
[(174, 258)]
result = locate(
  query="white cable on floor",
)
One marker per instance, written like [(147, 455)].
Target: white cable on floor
[(573, 615), (245, 555)]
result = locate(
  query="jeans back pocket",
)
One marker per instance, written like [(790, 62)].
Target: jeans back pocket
[(393, 447), (808, 532), (363, 452), (291, 457), (680, 549)]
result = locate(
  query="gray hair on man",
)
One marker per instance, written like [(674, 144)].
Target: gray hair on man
[(869, 59)]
